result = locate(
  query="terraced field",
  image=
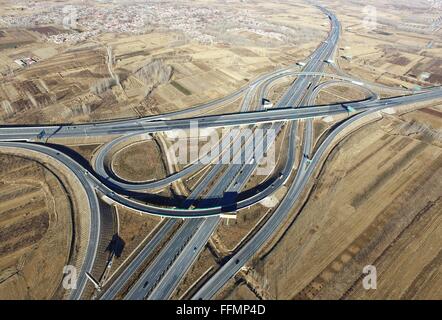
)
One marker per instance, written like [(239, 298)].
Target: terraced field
[(35, 219), (377, 201)]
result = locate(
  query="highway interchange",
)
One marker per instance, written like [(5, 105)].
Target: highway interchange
[(201, 210)]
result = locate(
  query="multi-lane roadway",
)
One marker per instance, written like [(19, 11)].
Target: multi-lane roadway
[(167, 269)]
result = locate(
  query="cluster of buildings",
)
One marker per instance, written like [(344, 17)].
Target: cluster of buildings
[(202, 24), (71, 37), (24, 62)]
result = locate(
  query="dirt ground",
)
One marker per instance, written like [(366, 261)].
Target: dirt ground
[(235, 289), (230, 232), (139, 162), (59, 87), (86, 151), (242, 292), (336, 94), (36, 230), (377, 201)]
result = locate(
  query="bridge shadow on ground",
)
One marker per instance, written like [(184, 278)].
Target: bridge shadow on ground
[(116, 246), (228, 201)]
